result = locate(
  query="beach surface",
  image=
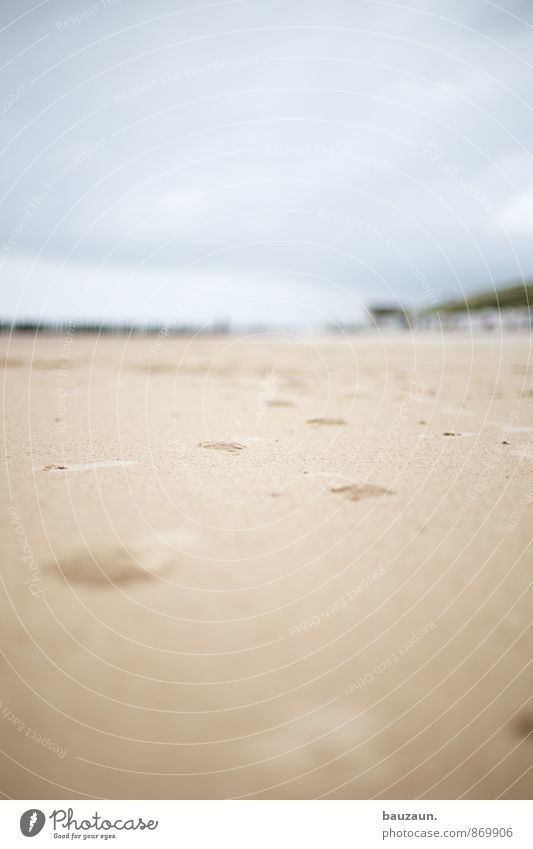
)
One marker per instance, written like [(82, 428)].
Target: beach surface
[(266, 566)]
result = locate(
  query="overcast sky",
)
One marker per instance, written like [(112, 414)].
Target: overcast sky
[(282, 161)]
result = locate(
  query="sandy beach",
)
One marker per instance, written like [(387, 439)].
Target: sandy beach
[(267, 566)]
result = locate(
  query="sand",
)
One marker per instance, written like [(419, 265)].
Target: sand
[(270, 566)]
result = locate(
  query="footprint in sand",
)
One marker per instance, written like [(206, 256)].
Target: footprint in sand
[(232, 447), (326, 421), (356, 492), (523, 725), (82, 467)]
